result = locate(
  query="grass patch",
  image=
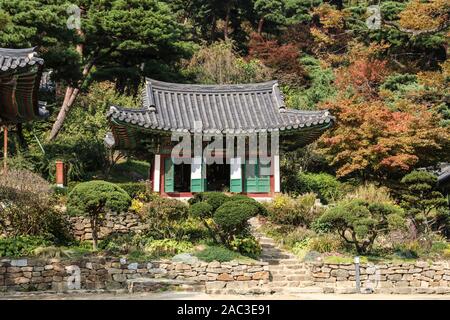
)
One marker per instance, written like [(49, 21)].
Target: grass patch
[(128, 171), (221, 254)]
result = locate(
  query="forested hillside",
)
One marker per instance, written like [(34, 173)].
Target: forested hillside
[(380, 67)]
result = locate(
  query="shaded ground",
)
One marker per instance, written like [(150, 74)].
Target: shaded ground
[(169, 295)]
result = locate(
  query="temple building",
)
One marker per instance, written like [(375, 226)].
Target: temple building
[(20, 74), (226, 117)]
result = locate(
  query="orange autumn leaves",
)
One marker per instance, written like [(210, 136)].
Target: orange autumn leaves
[(374, 139)]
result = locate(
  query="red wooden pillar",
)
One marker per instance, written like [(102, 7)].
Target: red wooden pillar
[(5, 149), (61, 179)]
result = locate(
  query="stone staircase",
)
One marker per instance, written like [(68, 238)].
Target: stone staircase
[(288, 274)]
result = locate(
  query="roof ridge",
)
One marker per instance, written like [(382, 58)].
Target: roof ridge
[(17, 52), (188, 87)]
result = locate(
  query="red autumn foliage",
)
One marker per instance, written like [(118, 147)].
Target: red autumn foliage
[(363, 75), (371, 140), (282, 58)]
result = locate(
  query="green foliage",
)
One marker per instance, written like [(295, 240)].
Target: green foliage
[(247, 246), (93, 198), (167, 247), (130, 170), (298, 211), (359, 221), (243, 198), (423, 203), (298, 235), (28, 207), (201, 210), (320, 87), (325, 243), (215, 199), (232, 217), (326, 186), (133, 189), (216, 253), (164, 218), (218, 63), (20, 246)]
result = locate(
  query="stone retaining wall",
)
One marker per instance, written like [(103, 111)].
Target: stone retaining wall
[(113, 223), (113, 273), (418, 277), (215, 277)]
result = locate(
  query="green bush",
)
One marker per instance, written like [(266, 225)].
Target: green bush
[(243, 198), (21, 245), (233, 216), (215, 199), (93, 198), (216, 253), (167, 247), (119, 243), (133, 189), (325, 243), (164, 217), (298, 235), (326, 186), (298, 211), (408, 250), (424, 204), (248, 246), (29, 207), (359, 221), (201, 210)]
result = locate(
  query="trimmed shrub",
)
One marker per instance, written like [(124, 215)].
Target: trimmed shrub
[(133, 189), (164, 218), (215, 199), (240, 197), (233, 216), (93, 198), (359, 221), (326, 186), (201, 210), (216, 253)]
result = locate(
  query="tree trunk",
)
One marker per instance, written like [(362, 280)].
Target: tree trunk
[(227, 22), (71, 92), (213, 28), (260, 25), (94, 224)]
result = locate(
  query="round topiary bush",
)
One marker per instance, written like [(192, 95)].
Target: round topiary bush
[(93, 198), (214, 198), (231, 218), (243, 198), (201, 210)]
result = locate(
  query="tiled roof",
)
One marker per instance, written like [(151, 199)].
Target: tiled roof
[(219, 108), (20, 74), (18, 58)]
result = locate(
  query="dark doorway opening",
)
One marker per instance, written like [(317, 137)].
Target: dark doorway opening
[(182, 177), (218, 177)]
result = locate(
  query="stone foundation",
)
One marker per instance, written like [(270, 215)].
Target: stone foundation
[(113, 223)]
